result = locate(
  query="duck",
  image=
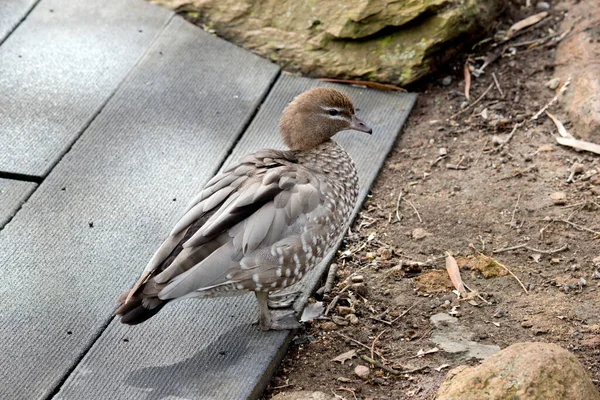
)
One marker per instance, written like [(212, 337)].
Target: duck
[(262, 223)]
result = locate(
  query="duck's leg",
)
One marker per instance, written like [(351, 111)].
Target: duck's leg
[(283, 300), (279, 321)]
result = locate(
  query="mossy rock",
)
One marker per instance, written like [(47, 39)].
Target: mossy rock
[(380, 40)]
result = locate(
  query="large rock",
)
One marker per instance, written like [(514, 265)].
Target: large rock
[(577, 57), (524, 371), (381, 40)]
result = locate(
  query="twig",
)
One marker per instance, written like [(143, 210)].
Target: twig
[(554, 100), (332, 304), (481, 154), (374, 341), (473, 103), (330, 278), (477, 294), (524, 246), (510, 136), (514, 276), (398, 217), (512, 219), (381, 320), (357, 342), (578, 227), (348, 390), (497, 84), (405, 312), (414, 208), (467, 75), (378, 364)]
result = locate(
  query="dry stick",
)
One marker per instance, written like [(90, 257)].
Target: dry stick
[(477, 294), (515, 210), (524, 246), (405, 312), (510, 136), (473, 103), (414, 208), (497, 84), (480, 154), (514, 276), (374, 341), (330, 278), (357, 342), (554, 100), (390, 369), (576, 226), (398, 217)]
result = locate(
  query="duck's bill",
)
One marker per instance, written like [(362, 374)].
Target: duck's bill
[(359, 125)]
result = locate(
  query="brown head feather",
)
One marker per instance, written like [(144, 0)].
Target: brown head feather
[(314, 116)]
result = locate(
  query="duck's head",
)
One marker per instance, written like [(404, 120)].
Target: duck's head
[(315, 116)]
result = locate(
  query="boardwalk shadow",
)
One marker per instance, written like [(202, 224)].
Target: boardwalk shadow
[(211, 373)]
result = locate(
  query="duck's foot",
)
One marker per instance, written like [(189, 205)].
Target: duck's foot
[(275, 320), (282, 300)]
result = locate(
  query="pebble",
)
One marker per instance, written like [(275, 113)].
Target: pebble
[(526, 324), (559, 198), (362, 372), (447, 80), (357, 278), (542, 5), (344, 310), (353, 319), (328, 326), (443, 152), (553, 83), (596, 274), (339, 320)]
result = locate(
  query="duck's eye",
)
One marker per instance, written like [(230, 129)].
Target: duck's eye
[(333, 112)]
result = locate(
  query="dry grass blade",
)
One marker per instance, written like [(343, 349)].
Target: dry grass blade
[(475, 102), (563, 89), (513, 275), (375, 341), (562, 131), (524, 23), (467, 74), (454, 273), (579, 144), (371, 85)]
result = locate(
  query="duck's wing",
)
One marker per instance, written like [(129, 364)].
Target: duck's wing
[(240, 212)]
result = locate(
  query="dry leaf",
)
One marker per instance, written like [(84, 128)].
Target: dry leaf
[(579, 144), (422, 352), (454, 273), (467, 73), (524, 23), (562, 131), (441, 367), (345, 356)]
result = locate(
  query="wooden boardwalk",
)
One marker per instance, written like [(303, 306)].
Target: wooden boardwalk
[(113, 115)]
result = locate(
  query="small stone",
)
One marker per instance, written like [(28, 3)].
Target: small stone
[(578, 168), (542, 6), (545, 148), (339, 320), (596, 274), (420, 233), (553, 83), (353, 319), (526, 324), (357, 278), (559, 198), (443, 152), (362, 372), (582, 281), (385, 253), (447, 81), (441, 320), (328, 326), (554, 260), (344, 310)]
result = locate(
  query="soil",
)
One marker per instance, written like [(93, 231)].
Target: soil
[(481, 197)]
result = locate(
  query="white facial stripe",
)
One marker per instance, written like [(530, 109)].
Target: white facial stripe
[(339, 117)]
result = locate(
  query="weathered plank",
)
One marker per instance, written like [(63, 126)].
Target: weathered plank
[(12, 195), (93, 223), (12, 13), (209, 349), (58, 69)]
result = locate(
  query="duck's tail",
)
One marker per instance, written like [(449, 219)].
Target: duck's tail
[(138, 308)]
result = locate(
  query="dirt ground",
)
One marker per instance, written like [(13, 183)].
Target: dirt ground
[(466, 189)]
